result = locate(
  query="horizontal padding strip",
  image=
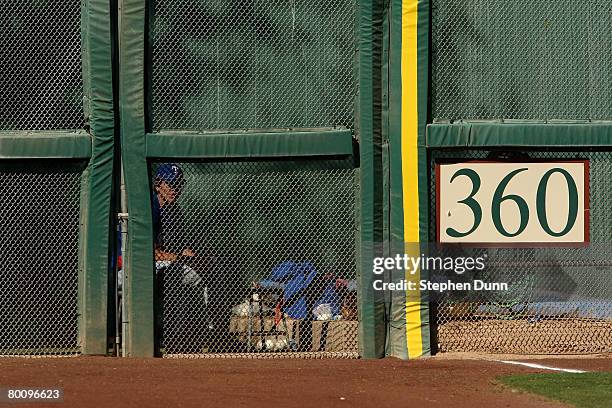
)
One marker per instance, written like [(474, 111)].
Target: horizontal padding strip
[(176, 144), (42, 144), (489, 134)]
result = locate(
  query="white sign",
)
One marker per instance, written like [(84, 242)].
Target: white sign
[(513, 203)]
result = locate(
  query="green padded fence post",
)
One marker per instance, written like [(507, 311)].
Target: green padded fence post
[(97, 186), (371, 305), (138, 261), (409, 332)]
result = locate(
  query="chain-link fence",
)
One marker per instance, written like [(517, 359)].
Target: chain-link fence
[(219, 64), (274, 258), (39, 238), (40, 65), (521, 60), (559, 299)]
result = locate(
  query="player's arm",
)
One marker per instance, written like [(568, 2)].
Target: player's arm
[(161, 255)]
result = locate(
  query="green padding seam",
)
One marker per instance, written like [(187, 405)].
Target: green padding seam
[(246, 144), (45, 145), (488, 134)]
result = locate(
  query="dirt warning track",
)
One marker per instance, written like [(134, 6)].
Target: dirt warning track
[(286, 383)]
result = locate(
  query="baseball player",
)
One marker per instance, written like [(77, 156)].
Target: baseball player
[(167, 189), (168, 185), (172, 257)]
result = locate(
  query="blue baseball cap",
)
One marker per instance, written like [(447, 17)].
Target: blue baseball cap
[(171, 173)]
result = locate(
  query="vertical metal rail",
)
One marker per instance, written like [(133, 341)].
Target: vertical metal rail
[(123, 225)]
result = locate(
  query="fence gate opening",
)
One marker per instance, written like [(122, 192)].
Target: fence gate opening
[(274, 264)]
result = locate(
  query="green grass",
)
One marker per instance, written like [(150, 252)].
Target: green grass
[(588, 390)]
